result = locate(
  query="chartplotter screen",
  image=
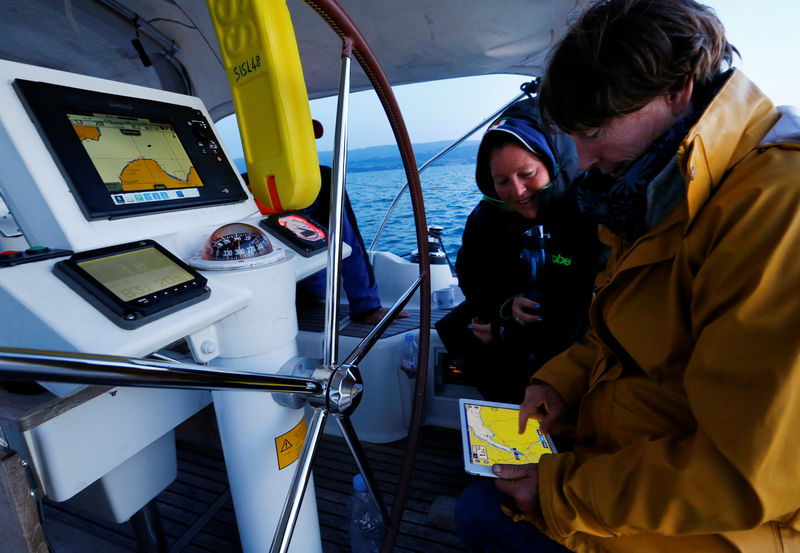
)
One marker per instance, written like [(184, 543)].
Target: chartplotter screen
[(125, 156)]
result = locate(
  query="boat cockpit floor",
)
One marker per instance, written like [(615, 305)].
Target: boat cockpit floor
[(197, 512)]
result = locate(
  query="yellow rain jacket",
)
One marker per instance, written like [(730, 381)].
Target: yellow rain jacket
[(688, 388)]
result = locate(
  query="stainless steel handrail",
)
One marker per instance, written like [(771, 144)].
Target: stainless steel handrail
[(433, 160)]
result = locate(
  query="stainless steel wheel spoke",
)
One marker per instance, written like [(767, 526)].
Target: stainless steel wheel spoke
[(114, 370), (360, 458), (366, 344), (294, 499)]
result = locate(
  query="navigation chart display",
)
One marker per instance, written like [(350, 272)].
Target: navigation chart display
[(490, 433), (136, 155), (123, 156)]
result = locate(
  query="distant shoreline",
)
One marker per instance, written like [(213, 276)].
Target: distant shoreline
[(387, 158)]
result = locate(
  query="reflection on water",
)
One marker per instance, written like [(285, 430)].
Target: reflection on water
[(449, 192)]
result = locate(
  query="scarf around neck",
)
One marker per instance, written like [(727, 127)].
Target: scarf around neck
[(621, 204)]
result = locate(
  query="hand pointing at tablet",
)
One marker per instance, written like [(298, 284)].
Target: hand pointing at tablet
[(543, 403)]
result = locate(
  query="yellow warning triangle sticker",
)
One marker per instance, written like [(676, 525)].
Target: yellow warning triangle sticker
[(288, 446)]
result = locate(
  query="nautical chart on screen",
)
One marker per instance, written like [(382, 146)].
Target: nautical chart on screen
[(136, 154), (490, 436)]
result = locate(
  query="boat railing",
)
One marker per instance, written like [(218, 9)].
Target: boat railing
[(527, 88)]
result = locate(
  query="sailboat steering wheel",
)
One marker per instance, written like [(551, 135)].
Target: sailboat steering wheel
[(344, 388), (334, 388)]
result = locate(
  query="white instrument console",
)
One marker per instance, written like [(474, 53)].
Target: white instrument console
[(89, 165)]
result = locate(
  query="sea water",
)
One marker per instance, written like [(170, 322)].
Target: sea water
[(449, 192)]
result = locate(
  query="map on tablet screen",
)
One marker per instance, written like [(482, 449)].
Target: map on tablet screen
[(490, 435)]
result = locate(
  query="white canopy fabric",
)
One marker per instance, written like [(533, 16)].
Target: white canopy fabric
[(415, 40)]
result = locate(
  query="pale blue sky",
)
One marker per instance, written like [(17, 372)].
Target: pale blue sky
[(765, 33)]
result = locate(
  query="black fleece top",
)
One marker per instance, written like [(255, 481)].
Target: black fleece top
[(490, 273)]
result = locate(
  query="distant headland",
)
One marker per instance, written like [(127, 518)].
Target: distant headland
[(384, 158)]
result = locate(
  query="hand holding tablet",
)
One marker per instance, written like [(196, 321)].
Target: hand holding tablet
[(490, 435)]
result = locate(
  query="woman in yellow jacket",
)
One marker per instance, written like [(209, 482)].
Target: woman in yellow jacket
[(686, 393)]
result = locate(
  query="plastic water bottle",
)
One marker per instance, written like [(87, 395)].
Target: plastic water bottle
[(366, 524), (410, 352), (534, 258)]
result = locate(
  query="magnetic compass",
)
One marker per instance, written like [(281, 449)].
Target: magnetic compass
[(236, 245)]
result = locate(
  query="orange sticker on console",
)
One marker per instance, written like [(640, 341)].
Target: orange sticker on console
[(289, 446)]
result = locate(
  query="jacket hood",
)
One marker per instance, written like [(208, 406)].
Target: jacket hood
[(556, 150)]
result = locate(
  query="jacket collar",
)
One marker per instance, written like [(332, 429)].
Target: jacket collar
[(733, 124), (735, 121)]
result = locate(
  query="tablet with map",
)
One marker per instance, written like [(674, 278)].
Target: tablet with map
[(490, 435)]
